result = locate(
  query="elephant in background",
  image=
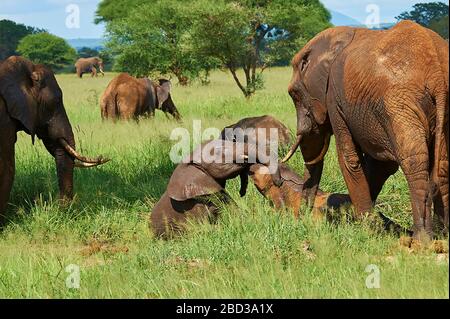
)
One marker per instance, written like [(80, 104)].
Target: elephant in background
[(32, 101), (89, 65), (127, 97), (200, 179), (384, 96)]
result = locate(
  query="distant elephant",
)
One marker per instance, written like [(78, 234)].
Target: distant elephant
[(32, 101), (89, 65), (384, 96), (127, 97), (264, 123), (289, 193), (198, 181)]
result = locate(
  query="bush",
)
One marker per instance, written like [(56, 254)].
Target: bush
[(48, 49)]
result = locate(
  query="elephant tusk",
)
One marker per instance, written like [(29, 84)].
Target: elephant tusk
[(322, 152), (85, 165), (293, 149), (98, 161)]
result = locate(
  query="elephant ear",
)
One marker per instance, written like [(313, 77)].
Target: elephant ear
[(188, 182), (315, 65), (163, 91), (16, 81)]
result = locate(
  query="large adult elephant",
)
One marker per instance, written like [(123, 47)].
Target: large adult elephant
[(384, 95), (127, 97), (32, 101), (89, 65)]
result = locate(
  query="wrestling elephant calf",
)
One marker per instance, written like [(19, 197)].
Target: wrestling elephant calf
[(127, 97), (200, 179), (289, 194), (31, 101)]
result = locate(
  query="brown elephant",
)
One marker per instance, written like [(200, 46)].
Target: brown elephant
[(384, 96), (127, 97), (289, 193), (32, 101), (89, 65), (199, 180), (242, 131)]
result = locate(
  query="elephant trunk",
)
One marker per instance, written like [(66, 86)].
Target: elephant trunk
[(64, 170)]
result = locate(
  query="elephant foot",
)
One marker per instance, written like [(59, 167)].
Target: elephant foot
[(415, 245)]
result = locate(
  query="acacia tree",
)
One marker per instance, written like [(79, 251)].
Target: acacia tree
[(10, 35), (255, 34)]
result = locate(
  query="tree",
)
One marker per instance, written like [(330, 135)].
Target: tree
[(10, 35), (255, 34), (440, 26), (109, 10), (155, 39), (48, 49), (86, 52), (425, 13)]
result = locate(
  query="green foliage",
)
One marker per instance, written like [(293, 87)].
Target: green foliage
[(86, 52), (10, 35), (432, 14), (255, 34), (109, 10), (440, 26), (155, 39), (48, 49)]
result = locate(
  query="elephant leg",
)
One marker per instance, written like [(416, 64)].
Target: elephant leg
[(93, 71), (350, 162), (377, 173), (7, 164)]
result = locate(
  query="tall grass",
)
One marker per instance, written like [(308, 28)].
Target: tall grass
[(253, 251)]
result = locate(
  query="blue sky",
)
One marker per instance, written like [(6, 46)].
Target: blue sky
[(51, 14)]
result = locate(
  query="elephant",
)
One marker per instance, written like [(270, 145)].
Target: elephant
[(289, 193), (238, 131), (32, 101), (89, 65), (384, 96), (127, 97), (198, 182)]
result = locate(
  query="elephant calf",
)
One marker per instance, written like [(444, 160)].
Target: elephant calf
[(127, 97), (200, 179), (289, 194), (89, 65)]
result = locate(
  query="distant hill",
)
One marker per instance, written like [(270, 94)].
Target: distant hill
[(89, 43), (340, 19)]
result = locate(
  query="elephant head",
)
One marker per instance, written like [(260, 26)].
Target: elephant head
[(100, 66), (34, 99), (309, 89), (165, 102), (207, 169)]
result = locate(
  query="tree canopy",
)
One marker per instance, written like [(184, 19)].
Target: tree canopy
[(48, 49), (433, 15), (171, 37), (109, 10), (10, 35), (255, 34), (156, 38)]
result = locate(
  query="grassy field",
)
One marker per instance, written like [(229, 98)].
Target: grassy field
[(253, 252)]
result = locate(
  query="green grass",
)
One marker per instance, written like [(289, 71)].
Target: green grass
[(253, 252)]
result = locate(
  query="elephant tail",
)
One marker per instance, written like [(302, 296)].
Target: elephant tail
[(440, 165)]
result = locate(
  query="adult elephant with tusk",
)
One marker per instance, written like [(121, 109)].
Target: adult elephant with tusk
[(384, 96), (89, 65), (31, 101)]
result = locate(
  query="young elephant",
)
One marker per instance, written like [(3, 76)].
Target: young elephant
[(201, 178), (127, 97), (289, 194), (240, 130)]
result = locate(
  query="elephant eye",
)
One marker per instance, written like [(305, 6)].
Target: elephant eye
[(304, 65)]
